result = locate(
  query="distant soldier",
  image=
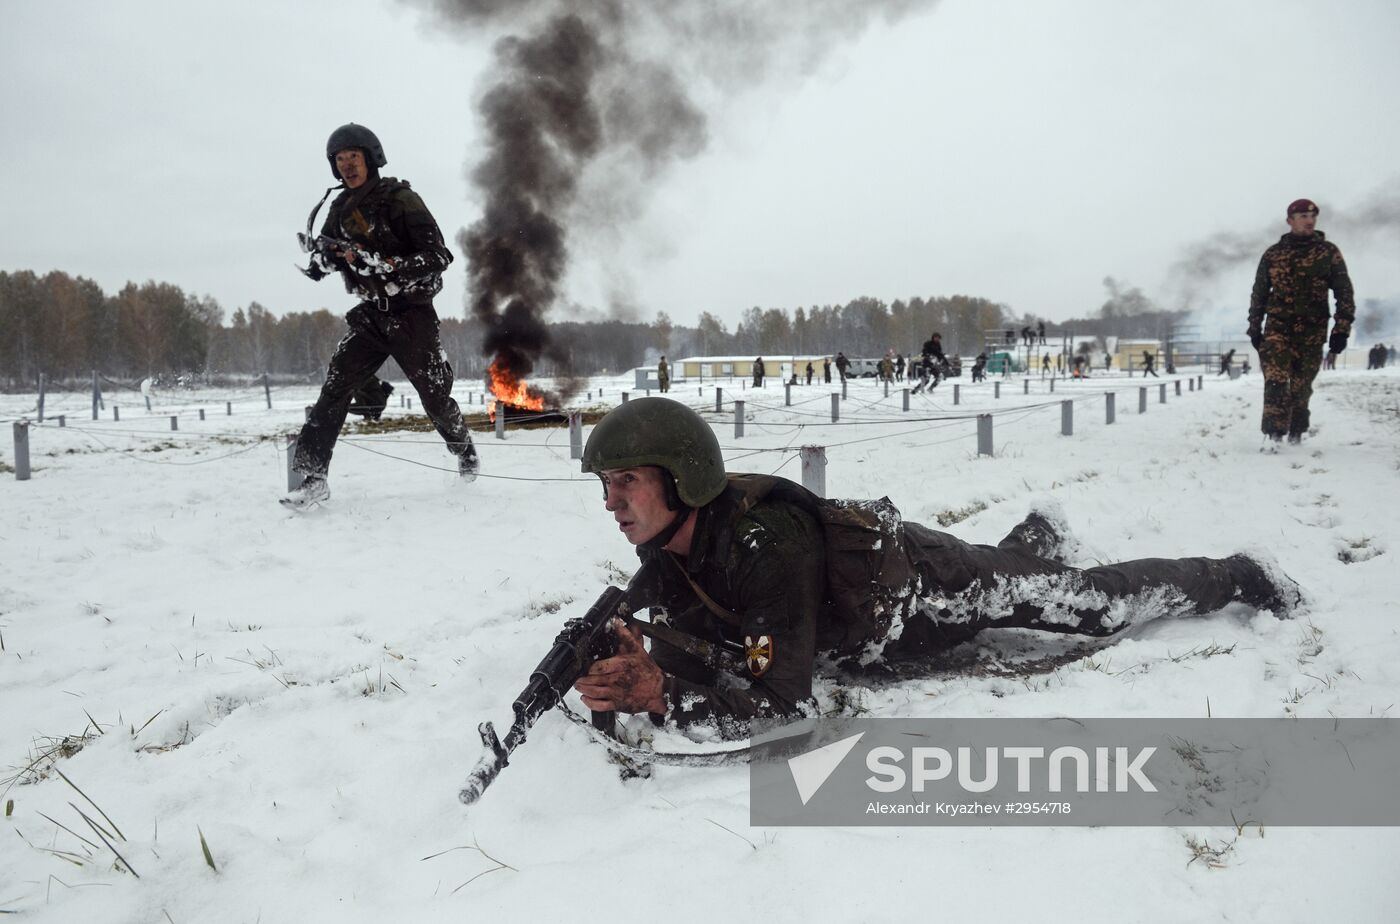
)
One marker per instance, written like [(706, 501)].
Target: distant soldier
[(979, 368), (758, 372), (1045, 365), (886, 368), (899, 368), (1288, 314), (842, 364), (810, 370), (371, 398), (826, 370), (1149, 364), (663, 375), (1040, 332), (1107, 363), (1226, 360)]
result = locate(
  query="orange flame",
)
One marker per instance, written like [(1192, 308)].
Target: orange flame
[(510, 390)]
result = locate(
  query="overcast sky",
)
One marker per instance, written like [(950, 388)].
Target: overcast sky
[(1012, 149)]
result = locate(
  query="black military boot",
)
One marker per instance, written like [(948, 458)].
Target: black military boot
[(468, 464), (1263, 585)]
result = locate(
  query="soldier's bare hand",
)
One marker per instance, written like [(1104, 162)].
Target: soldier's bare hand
[(629, 681)]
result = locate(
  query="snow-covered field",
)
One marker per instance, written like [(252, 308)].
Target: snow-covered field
[(304, 689)]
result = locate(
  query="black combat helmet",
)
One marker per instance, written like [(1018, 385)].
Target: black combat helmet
[(661, 432), (355, 136)]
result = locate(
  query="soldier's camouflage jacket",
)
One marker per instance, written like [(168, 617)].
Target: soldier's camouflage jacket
[(387, 218), (1290, 287)]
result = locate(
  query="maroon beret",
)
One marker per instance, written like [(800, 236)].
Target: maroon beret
[(1301, 205)]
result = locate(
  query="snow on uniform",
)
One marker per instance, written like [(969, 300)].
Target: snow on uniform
[(772, 579), (395, 316)]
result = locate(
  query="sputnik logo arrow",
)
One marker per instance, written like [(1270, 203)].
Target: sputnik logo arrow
[(811, 770)]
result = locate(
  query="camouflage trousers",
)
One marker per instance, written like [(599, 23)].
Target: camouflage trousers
[(1289, 357)]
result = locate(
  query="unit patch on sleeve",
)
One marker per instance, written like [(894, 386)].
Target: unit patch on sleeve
[(759, 653)]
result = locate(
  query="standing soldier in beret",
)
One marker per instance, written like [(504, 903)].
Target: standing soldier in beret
[(384, 243), (1290, 294)]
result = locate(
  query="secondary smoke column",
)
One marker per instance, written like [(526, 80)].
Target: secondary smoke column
[(604, 86), (1203, 263)]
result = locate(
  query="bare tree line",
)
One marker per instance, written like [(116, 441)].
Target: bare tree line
[(66, 328)]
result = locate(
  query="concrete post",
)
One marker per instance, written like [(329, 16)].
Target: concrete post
[(63, 420), (500, 420), (835, 407), (575, 435), (294, 478), (957, 393), (408, 402), (41, 397), (1200, 383), (626, 396), (174, 421), (116, 413), (21, 430), (267, 391), (1067, 418), (984, 434), (843, 389), (201, 413), (1108, 402), (148, 404), (96, 396), (996, 389), (1191, 384), (887, 388), (787, 394), (1142, 400), (906, 399), (1162, 393), (1177, 383), (719, 399), (738, 419), (814, 469), (1026, 387), (228, 408), (1052, 384)]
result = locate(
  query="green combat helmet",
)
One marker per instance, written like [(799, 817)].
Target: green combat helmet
[(664, 433)]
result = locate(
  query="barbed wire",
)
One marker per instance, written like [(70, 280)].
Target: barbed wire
[(1006, 415)]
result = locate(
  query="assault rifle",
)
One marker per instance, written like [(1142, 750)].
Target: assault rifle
[(366, 262), (581, 642)]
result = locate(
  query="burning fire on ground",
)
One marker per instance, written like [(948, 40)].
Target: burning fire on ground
[(509, 390)]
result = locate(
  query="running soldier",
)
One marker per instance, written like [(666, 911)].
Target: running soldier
[(386, 246)]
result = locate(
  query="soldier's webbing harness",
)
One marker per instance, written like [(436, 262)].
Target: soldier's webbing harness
[(381, 298)]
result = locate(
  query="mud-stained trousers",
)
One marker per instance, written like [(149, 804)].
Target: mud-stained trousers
[(964, 588), (1289, 357), (410, 336)]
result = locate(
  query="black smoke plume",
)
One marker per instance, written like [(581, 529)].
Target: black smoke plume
[(606, 87)]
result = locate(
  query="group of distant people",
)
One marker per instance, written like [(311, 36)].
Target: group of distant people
[(1379, 355)]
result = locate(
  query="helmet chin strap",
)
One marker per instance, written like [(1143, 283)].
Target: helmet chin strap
[(656, 543)]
